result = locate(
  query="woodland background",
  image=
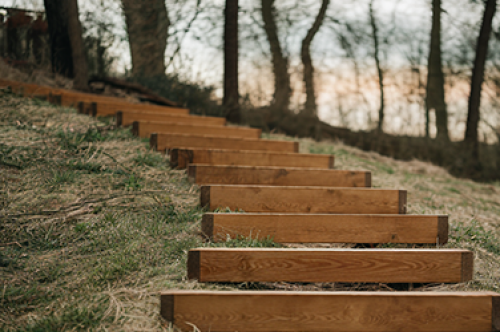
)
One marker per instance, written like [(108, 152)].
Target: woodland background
[(408, 79)]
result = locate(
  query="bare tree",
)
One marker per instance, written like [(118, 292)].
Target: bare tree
[(282, 86), (77, 47), (471, 133), (60, 44), (147, 26), (376, 55), (66, 42), (231, 94), (435, 98), (311, 108)]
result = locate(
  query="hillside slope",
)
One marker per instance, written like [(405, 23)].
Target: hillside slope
[(93, 224)]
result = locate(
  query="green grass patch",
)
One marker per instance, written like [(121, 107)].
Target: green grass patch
[(477, 235)]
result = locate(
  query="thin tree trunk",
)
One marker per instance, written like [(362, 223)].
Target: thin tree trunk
[(60, 44), (311, 108), (282, 86), (80, 81), (231, 94), (147, 26), (471, 133), (435, 97), (379, 68)]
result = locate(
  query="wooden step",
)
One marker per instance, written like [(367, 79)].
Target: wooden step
[(106, 105), (266, 311), (127, 118), (28, 90), (327, 228), (180, 158), (145, 129), (161, 142), (330, 265), (304, 199), (110, 108), (277, 176)]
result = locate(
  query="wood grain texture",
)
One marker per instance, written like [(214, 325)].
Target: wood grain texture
[(303, 199), (259, 311), (325, 228), (127, 118), (179, 158), (144, 129), (275, 176), (327, 265), (169, 141)]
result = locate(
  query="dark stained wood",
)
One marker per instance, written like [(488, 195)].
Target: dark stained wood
[(193, 263), (442, 230), (87, 108), (204, 195), (153, 142), (275, 176), (167, 307), (251, 198), (495, 313), (402, 202), (325, 228), (80, 107), (181, 157), (93, 109), (268, 311), (55, 99), (467, 265), (207, 226), (368, 179)]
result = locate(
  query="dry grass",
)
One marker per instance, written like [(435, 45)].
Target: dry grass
[(91, 221), (94, 224)]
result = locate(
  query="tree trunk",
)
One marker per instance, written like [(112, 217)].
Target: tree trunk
[(435, 78), (282, 86), (60, 44), (80, 81), (311, 108), (376, 52), (231, 94), (147, 26), (471, 133)]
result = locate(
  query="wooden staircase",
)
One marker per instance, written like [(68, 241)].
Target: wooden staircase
[(297, 198)]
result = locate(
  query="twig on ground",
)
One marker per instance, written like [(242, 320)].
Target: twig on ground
[(11, 244)]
